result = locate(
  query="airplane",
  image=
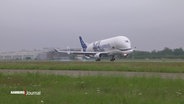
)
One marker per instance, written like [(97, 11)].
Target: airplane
[(115, 46)]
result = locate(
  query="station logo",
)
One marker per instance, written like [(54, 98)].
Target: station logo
[(25, 93)]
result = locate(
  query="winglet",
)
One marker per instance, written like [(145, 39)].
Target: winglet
[(83, 44)]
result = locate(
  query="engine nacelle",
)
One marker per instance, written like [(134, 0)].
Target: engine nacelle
[(98, 55)]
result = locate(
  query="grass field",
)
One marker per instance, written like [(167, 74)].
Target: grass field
[(90, 90), (161, 66)]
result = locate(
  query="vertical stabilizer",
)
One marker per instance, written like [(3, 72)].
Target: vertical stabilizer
[(83, 44)]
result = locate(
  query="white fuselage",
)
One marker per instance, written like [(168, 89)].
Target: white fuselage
[(119, 43)]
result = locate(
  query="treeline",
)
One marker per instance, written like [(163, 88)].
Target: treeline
[(177, 53)]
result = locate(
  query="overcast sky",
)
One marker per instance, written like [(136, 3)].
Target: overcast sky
[(36, 24)]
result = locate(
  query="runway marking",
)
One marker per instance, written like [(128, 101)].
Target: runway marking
[(76, 73)]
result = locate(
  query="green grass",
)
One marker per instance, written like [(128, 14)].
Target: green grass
[(90, 89), (176, 67)]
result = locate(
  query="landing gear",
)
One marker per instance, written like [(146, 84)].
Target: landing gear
[(112, 59), (98, 59)]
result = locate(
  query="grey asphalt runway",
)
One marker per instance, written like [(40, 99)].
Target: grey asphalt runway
[(76, 73)]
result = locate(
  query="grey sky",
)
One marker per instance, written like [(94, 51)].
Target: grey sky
[(35, 24)]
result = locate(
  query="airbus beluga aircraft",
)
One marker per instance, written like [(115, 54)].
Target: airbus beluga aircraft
[(115, 46)]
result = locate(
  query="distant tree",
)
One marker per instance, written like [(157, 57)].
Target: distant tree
[(167, 51), (154, 54), (178, 51)]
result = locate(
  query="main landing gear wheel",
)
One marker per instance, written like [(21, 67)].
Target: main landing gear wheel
[(112, 59), (98, 59)]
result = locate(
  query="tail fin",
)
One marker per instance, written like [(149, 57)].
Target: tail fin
[(83, 44)]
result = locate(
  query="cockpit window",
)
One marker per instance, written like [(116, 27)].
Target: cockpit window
[(126, 41)]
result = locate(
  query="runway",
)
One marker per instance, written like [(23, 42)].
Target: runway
[(77, 73)]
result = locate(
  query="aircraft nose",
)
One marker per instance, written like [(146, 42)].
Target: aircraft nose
[(127, 44)]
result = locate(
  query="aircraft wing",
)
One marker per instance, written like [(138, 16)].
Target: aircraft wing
[(82, 53), (96, 55)]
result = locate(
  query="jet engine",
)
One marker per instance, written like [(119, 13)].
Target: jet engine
[(98, 56)]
